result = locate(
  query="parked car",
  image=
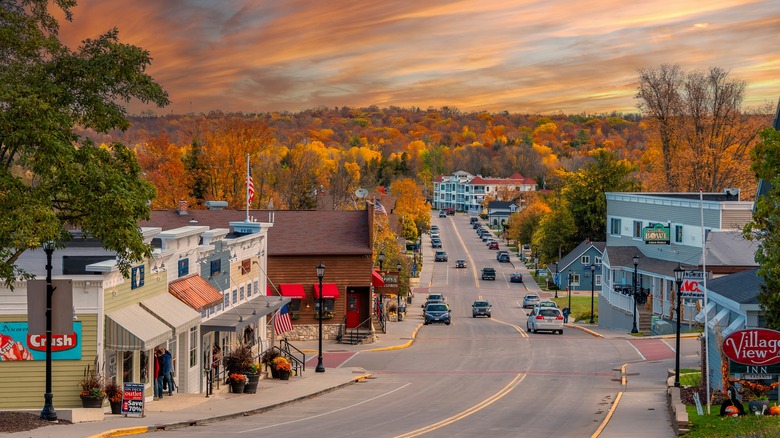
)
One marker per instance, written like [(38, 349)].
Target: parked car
[(434, 234), (503, 256), (435, 243), (433, 298), (451, 211), (486, 236), (516, 277), (442, 213), (530, 301), (460, 263), (474, 220), (437, 312), (493, 245), (475, 225), (488, 274), (440, 256), (434, 227), (545, 318), (480, 308)]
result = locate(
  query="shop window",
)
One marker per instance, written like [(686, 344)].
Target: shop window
[(215, 267), (328, 311)]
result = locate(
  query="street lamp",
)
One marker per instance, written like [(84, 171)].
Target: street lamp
[(398, 292), (678, 279), (636, 262), (321, 273), (381, 258), (556, 280), (48, 412), (571, 277), (592, 288)]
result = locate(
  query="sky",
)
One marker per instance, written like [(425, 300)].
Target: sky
[(520, 56)]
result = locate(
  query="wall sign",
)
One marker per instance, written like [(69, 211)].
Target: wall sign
[(17, 343), (658, 234), (753, 347)]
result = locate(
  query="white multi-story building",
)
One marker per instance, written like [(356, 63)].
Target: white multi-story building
[(463, 191)]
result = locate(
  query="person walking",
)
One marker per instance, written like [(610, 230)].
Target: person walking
[(158, 380), (167, 371)]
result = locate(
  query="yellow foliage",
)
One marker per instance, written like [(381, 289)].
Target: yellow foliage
[(546, 128)]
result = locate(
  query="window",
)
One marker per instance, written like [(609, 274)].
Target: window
[(585, 260), (328, 302), (614, 226), (235, 296), (598, 279), (575, 279), (138, 277), (678, 233), (193, 346), (216, 267), (227, 299), (295, 305), (184, 267), (249, 289), (241, 293), (257, 289), (637, 229), (597, 260)]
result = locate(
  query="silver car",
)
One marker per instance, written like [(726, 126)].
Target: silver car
[(530, 300), (545, 318)]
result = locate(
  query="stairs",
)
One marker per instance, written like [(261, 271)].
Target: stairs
[(645, 322), (354, 336)]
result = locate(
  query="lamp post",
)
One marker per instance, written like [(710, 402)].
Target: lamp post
[(678, 279), (556, 280), (592, 288), (636, 263), (381, 258), (571, 277), (48, 412), (398, 294), (320, 273)]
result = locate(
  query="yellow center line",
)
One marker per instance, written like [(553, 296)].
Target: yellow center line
[(474, 409)]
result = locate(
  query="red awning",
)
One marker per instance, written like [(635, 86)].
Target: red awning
[(294, 291), (376, 279), (329, 290)]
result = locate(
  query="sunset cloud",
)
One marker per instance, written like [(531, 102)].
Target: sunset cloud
[(513, 55)]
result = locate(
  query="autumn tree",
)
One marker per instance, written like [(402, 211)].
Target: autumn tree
[(196, 177), (523, 224), (53, 180), (299, 178), (766, 221), (163, 166), (411, 206), (555, 234)]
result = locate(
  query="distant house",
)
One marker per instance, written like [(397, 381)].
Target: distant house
[(498, 212), (573, 270), (465, 192)]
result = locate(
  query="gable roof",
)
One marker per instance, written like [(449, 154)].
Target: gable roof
[(730, 248), (294, 232), (623, 256), (741, 287), (500, 204), (577, 252)]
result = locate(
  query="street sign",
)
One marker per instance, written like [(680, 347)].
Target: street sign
[(692, 287)]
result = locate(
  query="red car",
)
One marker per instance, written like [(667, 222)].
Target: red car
[(493, 245)]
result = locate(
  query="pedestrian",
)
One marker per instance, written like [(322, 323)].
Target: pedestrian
[(158, 380), (167, 369)]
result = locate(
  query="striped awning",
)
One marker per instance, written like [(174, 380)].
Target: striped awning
[(172, 312), (196, 292), (329, 290), (133, 328)]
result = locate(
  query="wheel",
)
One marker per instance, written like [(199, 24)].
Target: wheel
[(447, 323), (425, 322), (474, 316), (560, 332), (489, 315)]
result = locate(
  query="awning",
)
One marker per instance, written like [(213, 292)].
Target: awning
[(196, 292), (721, 319), (171, 311), (376, 279), (737, 324), (294, 291), (235, 318), (133, 328), (329, 290), (710, 312)]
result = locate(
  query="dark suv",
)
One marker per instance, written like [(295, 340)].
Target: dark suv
[(488, 274), (441, 256), (437, 312)]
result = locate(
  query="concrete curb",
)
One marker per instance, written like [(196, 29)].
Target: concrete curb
[(585, 329), (181, 424), (397, 347)]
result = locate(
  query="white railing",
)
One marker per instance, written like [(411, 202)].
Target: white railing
[(618, 300)]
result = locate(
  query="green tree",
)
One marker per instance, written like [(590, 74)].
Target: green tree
[(50, 179), (584, 191), (197, 178), (554, 234), (766, 221)]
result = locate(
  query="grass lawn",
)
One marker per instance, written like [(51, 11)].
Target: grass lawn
[(713, 425), (580, 306)]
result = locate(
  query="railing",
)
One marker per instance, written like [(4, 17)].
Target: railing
[(298, 364)]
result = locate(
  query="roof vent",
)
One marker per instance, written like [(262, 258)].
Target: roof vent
[(216, 205)]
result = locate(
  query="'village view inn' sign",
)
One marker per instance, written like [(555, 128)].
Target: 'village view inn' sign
[(753, 351), (658, 234)]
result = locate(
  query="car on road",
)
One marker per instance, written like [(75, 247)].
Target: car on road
[(475, 225), (548, 303), (434, 227), (486, 237), (474, 220), (515, 277), (437, 312), (493, 245), (530, 301), (442, 213), (435, 243), (503, 258), (460, 263), (546, 319), (440, 256), (435, 234), (488, 274), (433, 298), (480, 308)]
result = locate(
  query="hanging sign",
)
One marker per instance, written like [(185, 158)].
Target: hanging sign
[(753, 347)]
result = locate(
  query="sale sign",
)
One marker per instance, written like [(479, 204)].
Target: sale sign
[(133, 399), (753, 347)]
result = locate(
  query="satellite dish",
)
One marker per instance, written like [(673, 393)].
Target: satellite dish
[(361, 193)]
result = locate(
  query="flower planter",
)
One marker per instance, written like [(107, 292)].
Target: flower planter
[(237, 387), (284, 375), (91, 402), (251, 383), (116, 407), (274, 373)]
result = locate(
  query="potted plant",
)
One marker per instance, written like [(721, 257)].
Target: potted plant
[(268, 359), (237, 383), (253, 378), (114, 393), (283, 367), (92, 389), (238, 359)]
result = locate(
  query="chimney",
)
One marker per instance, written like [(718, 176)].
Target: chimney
[(183, 208)]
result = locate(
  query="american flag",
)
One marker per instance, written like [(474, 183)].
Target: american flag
[(250, 184), (380, 208), (282, 321)]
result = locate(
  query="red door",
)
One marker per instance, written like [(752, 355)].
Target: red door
[(353, 310)]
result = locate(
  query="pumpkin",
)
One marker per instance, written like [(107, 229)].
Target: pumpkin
[(774, 410), (732, 411)]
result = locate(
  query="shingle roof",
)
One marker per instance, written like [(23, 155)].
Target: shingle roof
[(295, 232), (730, 248), (741, 287), (578, 251), (623, 256)]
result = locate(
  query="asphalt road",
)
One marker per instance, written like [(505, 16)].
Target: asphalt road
[(476, 377)]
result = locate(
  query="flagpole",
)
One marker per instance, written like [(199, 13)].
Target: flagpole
[(706, 319), (246, 186)]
